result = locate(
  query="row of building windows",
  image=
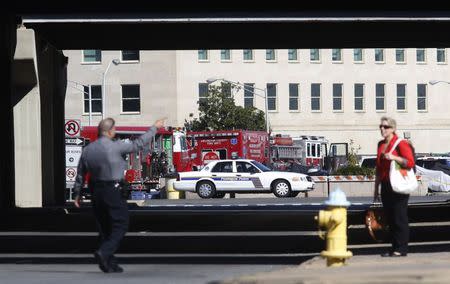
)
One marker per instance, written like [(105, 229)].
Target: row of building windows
[(336, 55), (95, 56), (131, 99), (337, 90)]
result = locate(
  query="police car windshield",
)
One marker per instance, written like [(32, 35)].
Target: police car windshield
[(261, 166)]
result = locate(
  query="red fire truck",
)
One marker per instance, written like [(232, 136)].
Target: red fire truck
[(215, 145), (306, 150), (168, 153)]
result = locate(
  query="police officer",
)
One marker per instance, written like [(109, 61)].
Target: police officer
[(103, 159)]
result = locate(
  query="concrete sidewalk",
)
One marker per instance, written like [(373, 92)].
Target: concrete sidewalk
[(415, 268)]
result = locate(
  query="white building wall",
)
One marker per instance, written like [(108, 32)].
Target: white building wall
[(429, 130), (155, 73), (169, 87)]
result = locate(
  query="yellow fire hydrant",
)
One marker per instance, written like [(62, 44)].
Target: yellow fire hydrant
[(334, 219)]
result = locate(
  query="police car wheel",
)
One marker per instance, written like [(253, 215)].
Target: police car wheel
[(281, 188), (206, 189)]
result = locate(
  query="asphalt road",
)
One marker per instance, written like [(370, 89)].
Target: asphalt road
[(65, 269)]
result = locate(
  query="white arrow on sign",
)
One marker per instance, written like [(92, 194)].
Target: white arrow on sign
[(74, 141)]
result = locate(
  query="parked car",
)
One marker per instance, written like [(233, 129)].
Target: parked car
[(434, 163), (242, 176)]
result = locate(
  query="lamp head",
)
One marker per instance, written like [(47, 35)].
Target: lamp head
[(211, 80)]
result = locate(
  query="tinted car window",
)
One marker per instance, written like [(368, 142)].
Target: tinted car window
[(243, 167), (223, 167), (369, 163)]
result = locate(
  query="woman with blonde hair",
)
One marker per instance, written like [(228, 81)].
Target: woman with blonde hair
[(395, 205)]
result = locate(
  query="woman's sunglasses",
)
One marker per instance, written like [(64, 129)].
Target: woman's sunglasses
[(385, 126)]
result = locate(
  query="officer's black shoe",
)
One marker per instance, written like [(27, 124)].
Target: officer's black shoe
[(114, 266), (102, 262)]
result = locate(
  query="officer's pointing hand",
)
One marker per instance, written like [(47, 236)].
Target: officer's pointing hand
[(160, 123)]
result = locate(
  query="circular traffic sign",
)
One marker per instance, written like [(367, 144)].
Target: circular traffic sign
[(72, 128), (70, 173), (210, 156)]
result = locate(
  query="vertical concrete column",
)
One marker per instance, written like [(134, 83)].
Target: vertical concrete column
[(52, 70), (27, 123), (7, 47)]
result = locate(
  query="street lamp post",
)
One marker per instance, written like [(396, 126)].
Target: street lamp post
[(212, 80), (87, 93), (115, 62), (434, 82)]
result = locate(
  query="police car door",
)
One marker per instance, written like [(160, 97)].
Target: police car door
[(248, 176), (223, 176)]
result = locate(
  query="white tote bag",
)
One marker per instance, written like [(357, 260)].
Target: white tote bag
[(403, 181)]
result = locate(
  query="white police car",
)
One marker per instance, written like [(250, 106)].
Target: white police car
[(242, 176)]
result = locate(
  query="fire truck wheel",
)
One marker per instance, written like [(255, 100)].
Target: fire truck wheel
[(281, 188), (295, 193), (206, 189), (219, 195)]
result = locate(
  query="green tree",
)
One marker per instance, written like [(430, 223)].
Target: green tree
[(218, 111)]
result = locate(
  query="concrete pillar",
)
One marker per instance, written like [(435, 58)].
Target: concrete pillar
[(52, 70), (7, 47), (27, 123), (40, 85)]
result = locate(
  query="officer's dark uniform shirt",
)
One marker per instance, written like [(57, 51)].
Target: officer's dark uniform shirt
[(103, 158)]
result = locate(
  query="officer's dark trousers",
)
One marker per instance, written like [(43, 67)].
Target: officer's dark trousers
[(111, 213), (396, 209)]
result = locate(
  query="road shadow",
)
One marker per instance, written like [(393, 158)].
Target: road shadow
[(136, 259)]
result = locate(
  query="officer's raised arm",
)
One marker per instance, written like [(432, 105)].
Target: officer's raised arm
[(139, 143)]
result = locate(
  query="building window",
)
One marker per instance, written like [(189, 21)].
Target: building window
[(270, 55), (96, 99), (441, 56), (203, 55), (130, 55), (131, 98), (293, 96), (315, 97), (337, 96), (226, 89), (401, 96), (400, 55), (421, 97), (248, 54), (358, 55), (421, 55), (379, 97), (272, 96), (292, 54), (249, 94), (202, 92), (225, 55), (336, 55), (379, 55), (92, 55), (314, 55), (359, 97)]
